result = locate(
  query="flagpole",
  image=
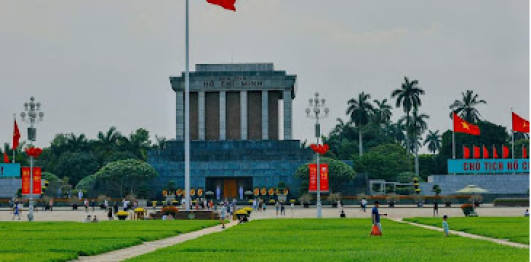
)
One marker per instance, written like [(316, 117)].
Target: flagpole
[(453, 136), (512, 131), (14, 149), (187, 114)]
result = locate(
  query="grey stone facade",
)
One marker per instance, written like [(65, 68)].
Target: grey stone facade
[(495, 184)]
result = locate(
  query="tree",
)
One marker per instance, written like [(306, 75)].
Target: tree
[(466, 108), (382, 112), (384, 161), (106, 143), (417, 126), (408, 97), (137, 143), (160, 144), (433, 140), (360, 111), (338, 172), (126, 175), (76, 166), (87, 183)]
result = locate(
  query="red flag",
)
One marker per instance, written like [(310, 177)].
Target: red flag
[(462, 126), (524, 152), (6, 158), (485, 152), (477, 152), (520, 124), (505, 151), (16, 136), (494, 152), (466, 152), (227, 4)]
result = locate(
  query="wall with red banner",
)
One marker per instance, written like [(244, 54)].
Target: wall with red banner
[(323, 178), (37, 180)]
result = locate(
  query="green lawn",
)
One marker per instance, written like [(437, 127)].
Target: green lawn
[(62, 241), (515, 229), (333, 240)]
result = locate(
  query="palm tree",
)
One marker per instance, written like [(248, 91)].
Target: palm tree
[(466, 107), (396, 131), (106, 143), (382, 112), (433, 140), (75, 143), (339, 129), (160, 144), (360, 111), (137, 143), (408, 97), (417, 126)]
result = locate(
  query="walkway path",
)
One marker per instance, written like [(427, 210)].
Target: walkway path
[(463, 234), (134, 251)]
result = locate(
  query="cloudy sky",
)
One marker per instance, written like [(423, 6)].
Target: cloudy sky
[(98, 63)]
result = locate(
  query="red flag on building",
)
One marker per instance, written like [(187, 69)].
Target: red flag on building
[(520, 124), (494, 152), (462, 126), (16, 136), (227, 4), (505, 152), (477, 152), (6, 158), (485, 152), (466, 152), (524, 152)]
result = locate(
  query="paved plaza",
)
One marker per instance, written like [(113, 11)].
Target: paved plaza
[(67, 214)]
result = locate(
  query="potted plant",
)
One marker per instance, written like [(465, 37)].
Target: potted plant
[(122, 215), (170, 210), (436, 189), (305, 200), (334, 198), (447, 200), (467, 209), (392, 199), (241, 214)]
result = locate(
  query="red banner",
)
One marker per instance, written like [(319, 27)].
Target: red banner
[(25, 180), (37, 185), (37, 176), (323, 177)]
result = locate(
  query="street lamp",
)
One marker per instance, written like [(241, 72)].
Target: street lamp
[(314, 112), (32, 115)]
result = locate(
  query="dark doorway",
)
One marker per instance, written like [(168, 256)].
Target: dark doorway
[(229, 188)]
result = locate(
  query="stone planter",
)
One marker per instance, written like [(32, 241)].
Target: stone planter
[(122, 217)]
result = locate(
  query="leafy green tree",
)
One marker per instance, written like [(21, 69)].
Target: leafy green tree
[(382, 112), (433, 140), (106, 144), (384, 161), (406, 177), (50, 177), (466, 107), (126, 175), (360, 111), (76, 166), (87, 183), (137, 143), (417, 125), (408, 97), (338, 172)]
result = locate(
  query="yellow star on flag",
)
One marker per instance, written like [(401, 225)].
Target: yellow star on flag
[(465, 125)]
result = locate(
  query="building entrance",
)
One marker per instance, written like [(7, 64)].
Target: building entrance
[(229, 188)]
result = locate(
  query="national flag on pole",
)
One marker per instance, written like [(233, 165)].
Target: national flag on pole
[(477, 152), (227, 4), (520, 124), (505, 151), (462, 126), (6, 158), (524, 152), (16, 136), (485, 152), (466, 152), (494, 152)]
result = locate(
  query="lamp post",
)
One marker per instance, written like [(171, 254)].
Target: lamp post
[(32, 115), (314, 112)]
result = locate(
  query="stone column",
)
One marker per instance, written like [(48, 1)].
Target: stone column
[(243, 114), (286, 98), (201, 111), (180, 116), (222, 115), (265, 115)]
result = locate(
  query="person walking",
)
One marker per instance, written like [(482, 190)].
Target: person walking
[(86, 205), (222, 215), (435, 208), (445, 225), (51, 204), (292, 209), (375, 216), (115, 207), (16, 210), (364, 205), (276, 207), (93, 204), (254, 204), (282, 209), (109, 213)]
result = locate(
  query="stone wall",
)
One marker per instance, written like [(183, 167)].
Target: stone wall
[(495, 184)]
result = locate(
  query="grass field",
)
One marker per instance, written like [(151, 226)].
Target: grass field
[(333, 240), (514, 229), (62, 241)]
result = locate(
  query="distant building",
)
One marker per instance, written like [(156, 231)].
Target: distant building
[(235, 127)]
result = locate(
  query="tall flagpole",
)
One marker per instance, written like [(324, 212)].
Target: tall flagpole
[(14, 149), (453, 136), (187, 115), (512, 139)]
